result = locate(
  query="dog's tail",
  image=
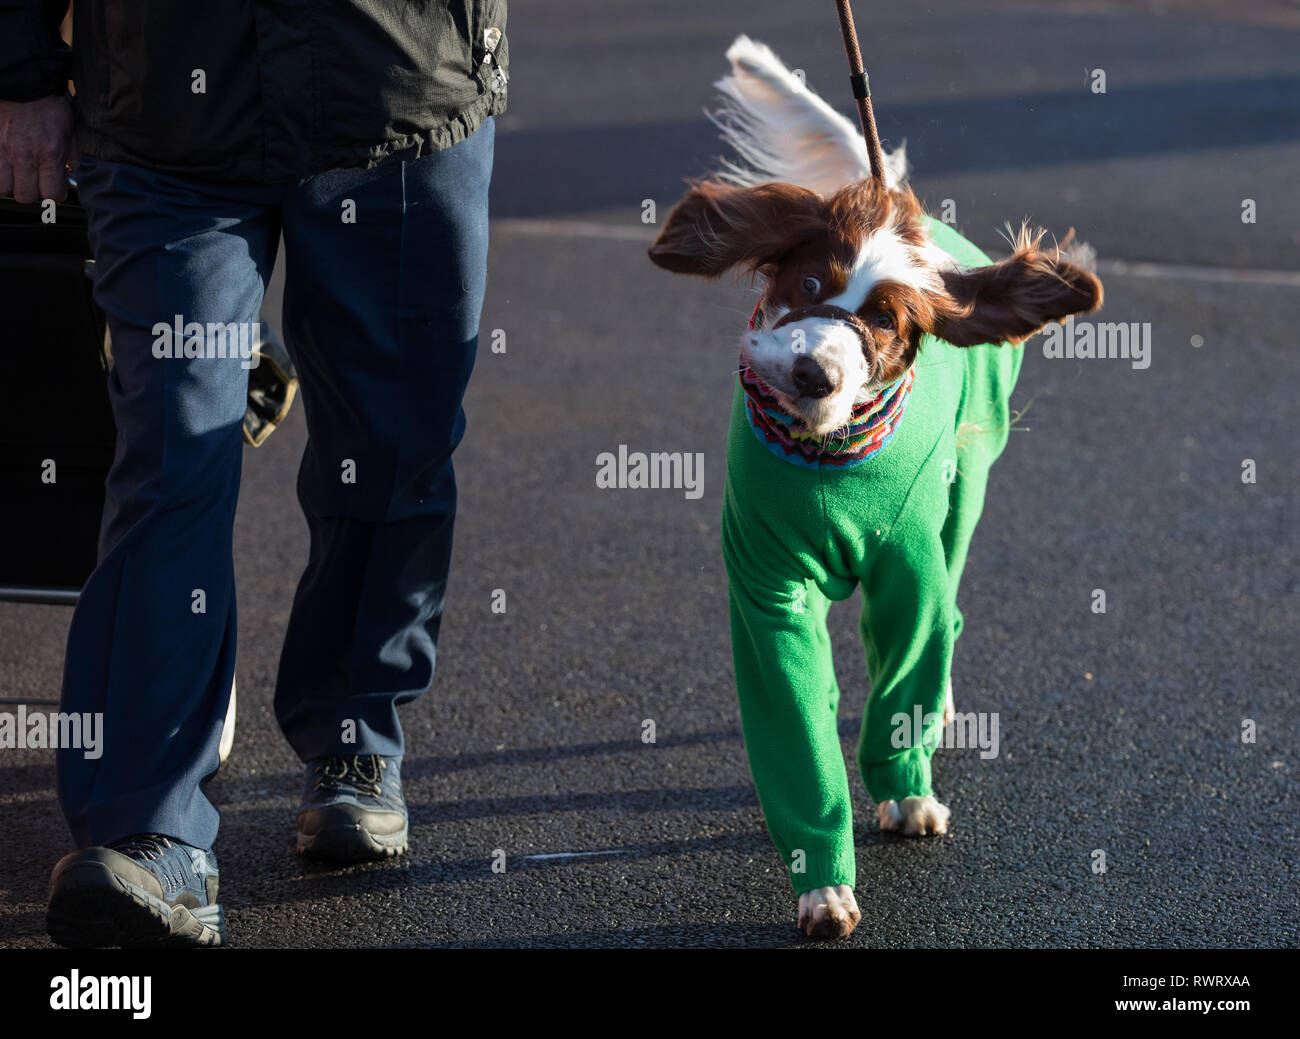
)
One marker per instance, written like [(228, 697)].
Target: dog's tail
[(783, 131)]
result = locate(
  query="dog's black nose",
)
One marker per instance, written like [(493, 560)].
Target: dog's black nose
[(809, 378)]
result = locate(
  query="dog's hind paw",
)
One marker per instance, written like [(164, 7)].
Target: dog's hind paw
[(828, 912), (915, 816)]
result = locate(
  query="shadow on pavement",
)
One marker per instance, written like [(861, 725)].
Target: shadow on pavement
[(603, 167)]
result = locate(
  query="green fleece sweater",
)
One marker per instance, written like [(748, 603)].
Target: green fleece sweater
[(796, 539)]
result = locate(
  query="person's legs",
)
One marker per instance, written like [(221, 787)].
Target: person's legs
[(152, 642), (385, 274)]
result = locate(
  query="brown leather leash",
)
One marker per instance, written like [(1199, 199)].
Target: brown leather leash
[(861, 90)]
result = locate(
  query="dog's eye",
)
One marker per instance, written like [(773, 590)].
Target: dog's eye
[(811, 285), (883, 320)]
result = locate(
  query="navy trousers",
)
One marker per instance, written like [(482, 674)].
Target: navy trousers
[(385, 274)]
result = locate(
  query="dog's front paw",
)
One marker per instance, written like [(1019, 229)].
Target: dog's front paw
[(915, 817), (828, 912), (949, 709)]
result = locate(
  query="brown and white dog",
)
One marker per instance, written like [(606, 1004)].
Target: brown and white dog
[(846, 264), (845, 256)]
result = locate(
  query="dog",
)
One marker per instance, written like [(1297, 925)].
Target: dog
[(872, 399)]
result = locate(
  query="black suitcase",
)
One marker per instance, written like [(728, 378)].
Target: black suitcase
[(56, 427)]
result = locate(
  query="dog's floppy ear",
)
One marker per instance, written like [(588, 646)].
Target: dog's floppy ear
[(1012, 299), (718, 226)]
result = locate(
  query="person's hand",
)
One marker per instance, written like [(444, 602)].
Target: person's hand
[(34, 142)]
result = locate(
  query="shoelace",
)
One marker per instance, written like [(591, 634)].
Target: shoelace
[(363, 772), (150, 845)]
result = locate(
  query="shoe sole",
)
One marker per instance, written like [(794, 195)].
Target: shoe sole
[(351, 844), (93, 908)]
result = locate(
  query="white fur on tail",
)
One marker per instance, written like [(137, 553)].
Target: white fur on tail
[(784, 131)]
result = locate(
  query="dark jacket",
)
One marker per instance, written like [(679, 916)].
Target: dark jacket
[(261, 90)]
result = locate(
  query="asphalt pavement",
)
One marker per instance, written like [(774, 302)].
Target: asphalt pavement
[(1120, 732)]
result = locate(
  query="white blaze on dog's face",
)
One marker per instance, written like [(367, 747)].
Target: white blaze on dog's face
[(852, 283), (836, 332), (817, 366)]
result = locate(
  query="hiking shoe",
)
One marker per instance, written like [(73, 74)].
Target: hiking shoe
[(139, 892), (352, 810)]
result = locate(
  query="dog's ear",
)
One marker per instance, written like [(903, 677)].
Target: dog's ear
[(717, 226), (1014, 298)]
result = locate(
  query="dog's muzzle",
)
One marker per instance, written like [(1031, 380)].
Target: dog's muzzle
[(830, 312)]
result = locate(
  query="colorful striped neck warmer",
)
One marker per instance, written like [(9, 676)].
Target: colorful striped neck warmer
[(871, 426)]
